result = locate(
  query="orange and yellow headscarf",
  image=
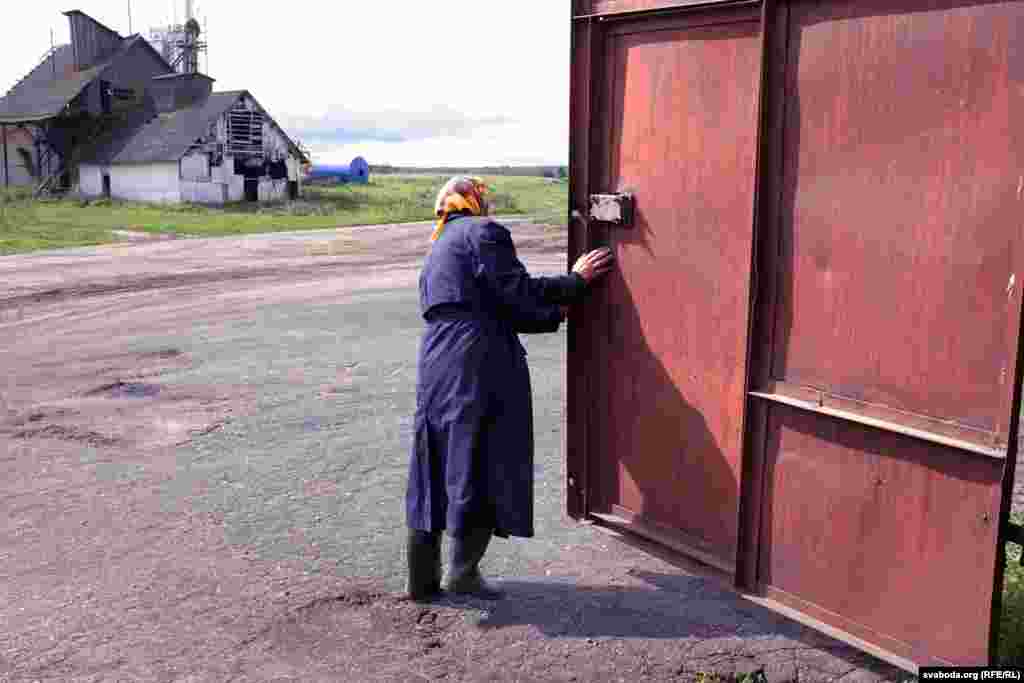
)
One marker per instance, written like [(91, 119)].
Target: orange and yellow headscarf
[(461, 193)]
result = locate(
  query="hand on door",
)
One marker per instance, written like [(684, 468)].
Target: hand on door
[(594, 265)]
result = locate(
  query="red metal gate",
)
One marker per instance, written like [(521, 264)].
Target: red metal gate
[(804, 371)]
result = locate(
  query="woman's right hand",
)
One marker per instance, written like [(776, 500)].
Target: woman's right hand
[(594, 264)]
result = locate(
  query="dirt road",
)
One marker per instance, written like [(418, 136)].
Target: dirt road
[(202, 459)]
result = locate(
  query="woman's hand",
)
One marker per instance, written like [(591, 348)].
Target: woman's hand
[(594, 264)]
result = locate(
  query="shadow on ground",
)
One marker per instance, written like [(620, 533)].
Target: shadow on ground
[(663, 606)]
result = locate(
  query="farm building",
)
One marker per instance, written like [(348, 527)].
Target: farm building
[(197, 146), (108, 115)]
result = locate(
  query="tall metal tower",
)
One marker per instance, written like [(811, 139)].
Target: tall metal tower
[(179, 43)]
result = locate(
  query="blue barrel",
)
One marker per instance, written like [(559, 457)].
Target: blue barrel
[(358, 171)]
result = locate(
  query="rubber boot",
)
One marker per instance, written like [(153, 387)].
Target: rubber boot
[(464, 571), (423, 550)]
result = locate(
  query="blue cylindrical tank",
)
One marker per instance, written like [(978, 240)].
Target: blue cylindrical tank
[(358, 171)]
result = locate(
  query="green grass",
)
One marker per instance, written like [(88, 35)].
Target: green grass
[(28, 224), (1011, 629)]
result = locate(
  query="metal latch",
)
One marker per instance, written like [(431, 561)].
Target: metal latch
[(616, 209)]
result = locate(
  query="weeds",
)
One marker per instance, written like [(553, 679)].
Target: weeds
[(1011, 628)]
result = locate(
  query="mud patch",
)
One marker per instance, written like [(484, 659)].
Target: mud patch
[(352, 598), (161, 354), (126, 390), (66, 433), (38, 415)]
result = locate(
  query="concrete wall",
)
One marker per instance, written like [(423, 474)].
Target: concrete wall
[(203, 192), (146, 182), (90, 180), (195, 166), (236, 187), (18, 172)]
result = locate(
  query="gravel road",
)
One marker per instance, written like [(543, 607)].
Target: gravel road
[(202, 461)]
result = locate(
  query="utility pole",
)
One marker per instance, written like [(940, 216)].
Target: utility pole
[(7, 172), (129, 17)]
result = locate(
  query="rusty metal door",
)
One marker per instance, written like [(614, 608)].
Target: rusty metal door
[(678, 119), (889, 322), (805, 370)]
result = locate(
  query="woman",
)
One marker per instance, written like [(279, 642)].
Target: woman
[(471, 469)]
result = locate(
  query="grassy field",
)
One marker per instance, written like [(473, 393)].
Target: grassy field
[(27, 224), (1011, 631)]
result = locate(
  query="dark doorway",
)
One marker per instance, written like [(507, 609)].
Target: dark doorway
[(106, 185), (105, 105), (252, 189), (293, 189)]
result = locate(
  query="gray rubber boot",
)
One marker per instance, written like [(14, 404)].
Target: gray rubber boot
[(464, 570), (423, 550)]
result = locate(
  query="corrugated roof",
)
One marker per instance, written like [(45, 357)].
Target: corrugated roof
[(161, 137), (47, 89), (42, 94)]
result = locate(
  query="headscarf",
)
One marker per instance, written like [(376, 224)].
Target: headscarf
[(461, 193)]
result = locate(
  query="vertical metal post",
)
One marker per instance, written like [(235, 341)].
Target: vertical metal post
[(7, 172)]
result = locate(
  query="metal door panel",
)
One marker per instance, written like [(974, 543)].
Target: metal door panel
[(902, 179), (891, 321), (680, 104), (888, 537)]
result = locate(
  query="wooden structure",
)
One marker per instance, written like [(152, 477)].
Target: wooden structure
[(806, 370)]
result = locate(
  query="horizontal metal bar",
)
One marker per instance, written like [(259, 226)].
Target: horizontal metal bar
[(949, 428), (773, 603), (689, 6), (884, 425)]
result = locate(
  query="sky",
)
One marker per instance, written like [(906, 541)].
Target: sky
[(402, 82)]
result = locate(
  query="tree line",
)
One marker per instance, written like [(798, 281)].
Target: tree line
[(555, 172)]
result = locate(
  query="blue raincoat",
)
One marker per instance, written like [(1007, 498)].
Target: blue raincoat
[(472, 454)]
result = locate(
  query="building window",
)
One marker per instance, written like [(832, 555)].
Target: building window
[(245, 131)]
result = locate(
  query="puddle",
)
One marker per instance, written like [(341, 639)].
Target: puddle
[(126, 390)]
